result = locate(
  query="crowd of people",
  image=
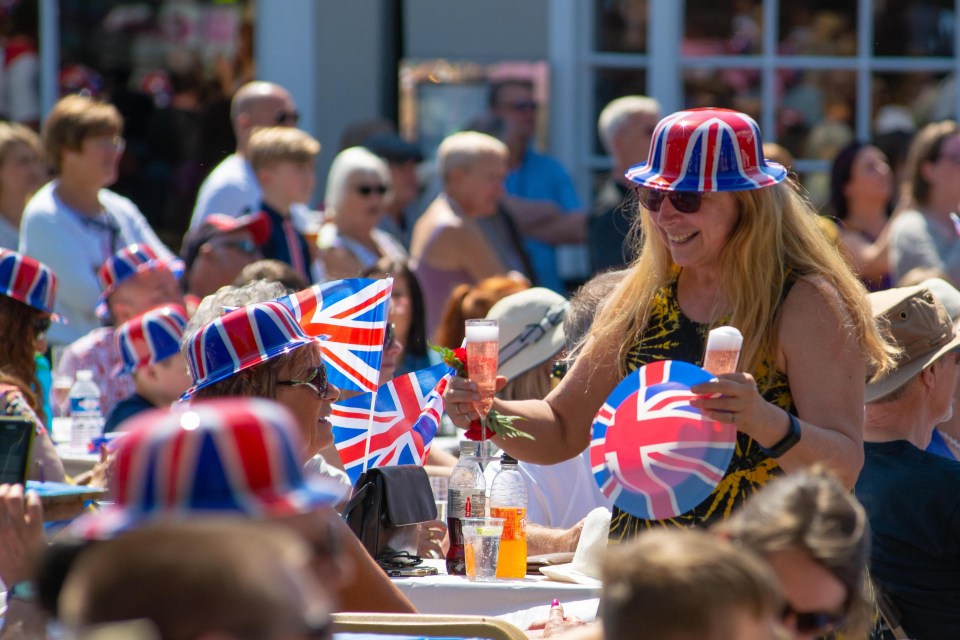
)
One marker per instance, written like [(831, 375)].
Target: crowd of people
[(847, 377)]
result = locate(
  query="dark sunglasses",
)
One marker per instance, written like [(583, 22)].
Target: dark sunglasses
[(317, 381), (287, 117), (243, 246), (367, 189), (41, 326), (682, 201), (525, 105), (389, 336), (814, 622)]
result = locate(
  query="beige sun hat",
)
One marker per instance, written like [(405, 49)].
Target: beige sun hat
[(531, 329), (920, 325), (591, 549)]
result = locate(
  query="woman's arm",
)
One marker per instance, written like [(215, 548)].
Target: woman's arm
[(869, 259), (560, 424), (825, 368)]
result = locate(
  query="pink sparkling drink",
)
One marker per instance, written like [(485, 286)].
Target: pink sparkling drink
[(483, 346), (723, 350)]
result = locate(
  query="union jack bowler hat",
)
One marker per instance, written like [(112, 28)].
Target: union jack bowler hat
[(239, 339), (151, 337), (707, 150), (126, 263), (232, 455), (28, 281)]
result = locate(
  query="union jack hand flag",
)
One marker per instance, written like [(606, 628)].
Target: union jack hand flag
[(405, 419), (351, 315), (651, 451)]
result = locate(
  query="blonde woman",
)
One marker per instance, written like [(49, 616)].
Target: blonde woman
[(22, 172), (731, 244)]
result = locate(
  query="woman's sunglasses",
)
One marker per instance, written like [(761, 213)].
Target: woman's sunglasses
[(367, 189), (41, 326), (317, 381), (814, 622), (682, 201)]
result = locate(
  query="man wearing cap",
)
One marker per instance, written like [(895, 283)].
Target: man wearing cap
[(402, 158), (132, 281), (232, 188), (912, 497), (217, 250)]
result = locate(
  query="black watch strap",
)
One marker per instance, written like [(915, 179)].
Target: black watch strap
[(788, 441)]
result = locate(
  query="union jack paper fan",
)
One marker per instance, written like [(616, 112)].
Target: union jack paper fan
[(655, 455)]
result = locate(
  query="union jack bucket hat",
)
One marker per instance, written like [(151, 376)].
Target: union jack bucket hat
[(149, 338), (233, 455), (239, 339), (28, 281), (126, 263), (707, 150)]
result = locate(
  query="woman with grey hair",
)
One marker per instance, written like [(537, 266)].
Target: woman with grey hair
[(349, 240)]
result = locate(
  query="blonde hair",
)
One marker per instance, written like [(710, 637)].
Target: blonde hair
[(777, 238), (13, 134), (461, 150), (926, 147), (74, 119), (269, 146), (348, 163)]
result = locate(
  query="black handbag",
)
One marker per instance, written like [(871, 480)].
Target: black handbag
[(387, 505)]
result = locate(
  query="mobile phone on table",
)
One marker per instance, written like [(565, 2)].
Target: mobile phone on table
[(16, 444), (411, 572)]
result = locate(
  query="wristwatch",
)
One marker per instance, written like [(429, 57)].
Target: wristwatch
[(22, 591), (787, 442)]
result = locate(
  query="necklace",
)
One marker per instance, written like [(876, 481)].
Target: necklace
[(952, 443)]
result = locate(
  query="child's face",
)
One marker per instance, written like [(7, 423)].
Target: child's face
[(171, 378), (290, 181)]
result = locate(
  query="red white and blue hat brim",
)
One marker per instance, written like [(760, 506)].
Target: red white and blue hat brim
[(175, 265), (315, 493), (704, 150), (651, 452)]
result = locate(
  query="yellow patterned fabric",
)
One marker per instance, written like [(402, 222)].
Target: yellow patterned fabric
[(669, 335)]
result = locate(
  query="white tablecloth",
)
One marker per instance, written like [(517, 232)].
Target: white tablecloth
[(457, 595)]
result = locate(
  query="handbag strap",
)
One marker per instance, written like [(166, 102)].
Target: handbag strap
[(356, 499)]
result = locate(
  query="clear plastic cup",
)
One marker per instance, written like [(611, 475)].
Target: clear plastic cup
[(481, 541)]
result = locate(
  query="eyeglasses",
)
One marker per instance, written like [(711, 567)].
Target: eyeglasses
[(245, 245), (287, 117), (317, 381), (368, 189), (682, 201), (389, 336), (814, 622), (40, 327), (523, 105)]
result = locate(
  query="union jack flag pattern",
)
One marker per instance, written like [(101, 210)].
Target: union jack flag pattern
[(655, 455), (405, 419), (28, 281), (707, 150), (126, 263), (351, 317), (151, 337)]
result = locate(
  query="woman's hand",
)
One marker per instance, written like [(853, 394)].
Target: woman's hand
[(458, 399), (733, 398), (21, 533)]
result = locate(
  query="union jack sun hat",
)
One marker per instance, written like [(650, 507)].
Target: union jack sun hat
[(28, 281), (126, 263), (149, 338), (239, 339), (707, 150), (235, 455)]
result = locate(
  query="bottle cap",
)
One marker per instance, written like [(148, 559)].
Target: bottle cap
[(469, 448), (506, 458)]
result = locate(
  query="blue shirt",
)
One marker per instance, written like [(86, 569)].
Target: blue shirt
[(126, 408), (540, 177), (285, 243), (939, 446)]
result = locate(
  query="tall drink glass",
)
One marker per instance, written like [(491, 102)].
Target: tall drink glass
[(723, 350), (483, 347)]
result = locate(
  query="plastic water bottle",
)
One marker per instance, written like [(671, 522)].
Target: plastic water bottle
[(466, 498), (86, 417), (508, 500)]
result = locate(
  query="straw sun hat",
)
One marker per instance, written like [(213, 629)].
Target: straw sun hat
[(531, 329)]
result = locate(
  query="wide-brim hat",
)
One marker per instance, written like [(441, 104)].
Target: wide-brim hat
[(919, 325), (946, 293), (239, 339), (707, 150), (149, 338), (233, 455), (215, 224), (531, 329), (28, 281), (126, 263), (591, 549)]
